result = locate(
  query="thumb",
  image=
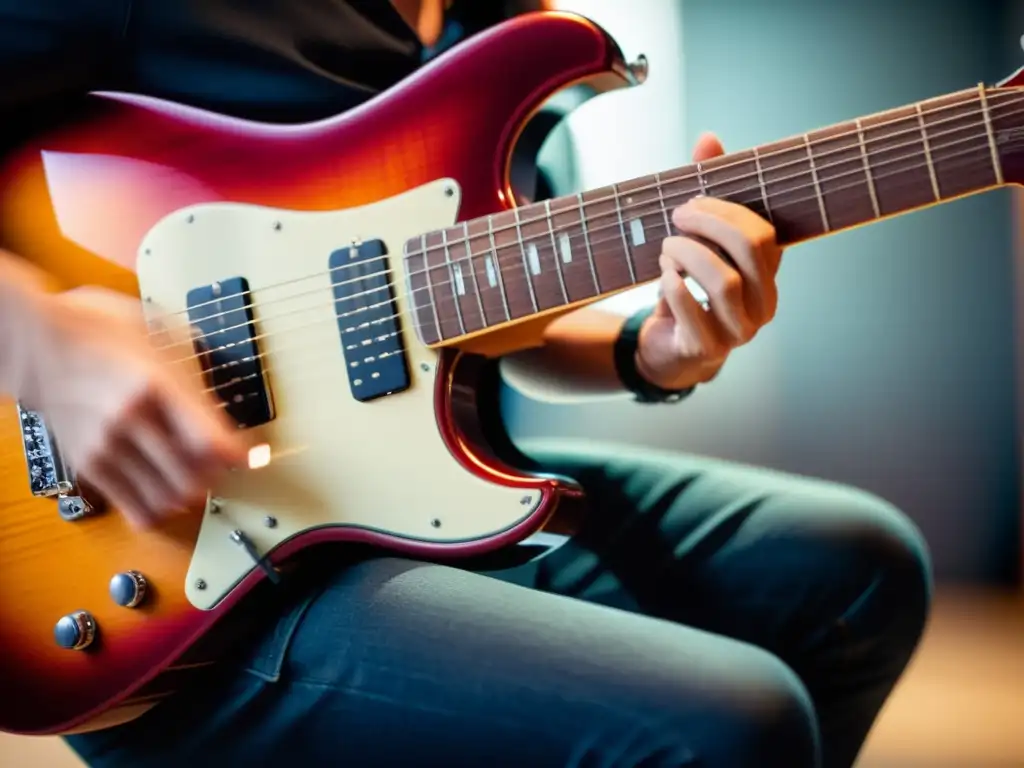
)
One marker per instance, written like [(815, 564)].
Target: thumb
[(707, 146), (661, 306)]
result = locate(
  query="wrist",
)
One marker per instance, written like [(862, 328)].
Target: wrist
[(634, 374)]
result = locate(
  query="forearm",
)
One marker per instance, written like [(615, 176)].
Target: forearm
[(22, 293), (575, 363)]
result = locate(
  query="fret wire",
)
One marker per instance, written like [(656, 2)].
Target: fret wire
[(700, 179), (987, 117), (622, 231), (430, 286), (764, 189), (451, 275), (927, 152), (496, 258), (410, 292), (867, 171), (472, 273), (663, 204), (554, 250), (526, 263), (817, 184), (586, 241)]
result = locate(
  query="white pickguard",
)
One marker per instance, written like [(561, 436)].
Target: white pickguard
[(380, 465)]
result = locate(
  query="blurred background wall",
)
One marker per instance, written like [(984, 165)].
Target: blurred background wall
[(892, 361)]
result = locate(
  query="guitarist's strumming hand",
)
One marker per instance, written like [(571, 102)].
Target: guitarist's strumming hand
[(682, 344), (133, 424)]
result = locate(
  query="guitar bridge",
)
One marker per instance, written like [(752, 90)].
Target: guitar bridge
[(48, 474)]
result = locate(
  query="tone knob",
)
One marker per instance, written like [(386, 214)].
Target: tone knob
[(76, 631), (128, 589)]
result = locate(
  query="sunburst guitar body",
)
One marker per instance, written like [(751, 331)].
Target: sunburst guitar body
[(336, 285)]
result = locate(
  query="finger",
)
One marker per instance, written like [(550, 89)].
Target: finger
[(755, 227), (721, 282), (206, 435), (698, 335), (748, 241), (147, 475), (707, 146), (698, 332), (111, 481), (153, 441)]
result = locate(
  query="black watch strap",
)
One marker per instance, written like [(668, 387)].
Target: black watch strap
[(625, 364)]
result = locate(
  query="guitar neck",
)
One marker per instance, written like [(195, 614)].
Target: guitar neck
[(517, 264)]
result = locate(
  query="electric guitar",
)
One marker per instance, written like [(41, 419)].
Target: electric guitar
[(337, 284)]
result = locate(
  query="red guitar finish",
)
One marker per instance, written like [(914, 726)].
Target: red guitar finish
[(77, 202)]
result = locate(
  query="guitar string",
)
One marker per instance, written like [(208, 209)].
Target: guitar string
[(997, 98), (12, 413), (517, 262), (334, 318), (519, 246), (1009, 97)]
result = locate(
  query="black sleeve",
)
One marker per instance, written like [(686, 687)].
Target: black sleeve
[(52, 52), (272, 60)]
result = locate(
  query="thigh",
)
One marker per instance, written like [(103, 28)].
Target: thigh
[(755, 554), (399, 663)]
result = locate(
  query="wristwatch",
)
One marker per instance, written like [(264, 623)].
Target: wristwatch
[(625, 364)]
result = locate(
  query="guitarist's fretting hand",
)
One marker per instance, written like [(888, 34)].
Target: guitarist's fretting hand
[(134, 426), (681, 344)]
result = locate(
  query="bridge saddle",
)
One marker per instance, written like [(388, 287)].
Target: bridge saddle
[(48, 474)]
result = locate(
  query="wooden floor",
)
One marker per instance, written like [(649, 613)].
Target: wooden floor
[(961, 704)]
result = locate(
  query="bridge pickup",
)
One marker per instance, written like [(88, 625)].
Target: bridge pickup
[(47, 473), (227, 340), (368, 322)]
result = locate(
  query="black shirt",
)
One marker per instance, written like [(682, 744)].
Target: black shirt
[(273, 60)]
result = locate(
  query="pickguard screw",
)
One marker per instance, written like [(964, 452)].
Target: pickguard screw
[(200, 584), (525, 501), (190, 218), (214, 506), (277, 226), (270, 522), (436, 523), (425, 367), (448, 191)]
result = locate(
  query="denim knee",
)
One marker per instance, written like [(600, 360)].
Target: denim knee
[(882, 541), (769, 723)]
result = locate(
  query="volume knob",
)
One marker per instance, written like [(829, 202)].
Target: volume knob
[(76, 631), (128, 589)]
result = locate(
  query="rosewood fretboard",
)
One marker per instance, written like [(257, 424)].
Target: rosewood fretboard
[(516, 264)]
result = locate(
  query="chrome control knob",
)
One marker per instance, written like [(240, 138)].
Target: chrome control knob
[(128, 589), (76, 631)]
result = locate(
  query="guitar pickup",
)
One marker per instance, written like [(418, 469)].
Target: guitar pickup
[(368, 322), (227, 343)]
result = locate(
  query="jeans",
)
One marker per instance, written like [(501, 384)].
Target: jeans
[(707, 614)]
